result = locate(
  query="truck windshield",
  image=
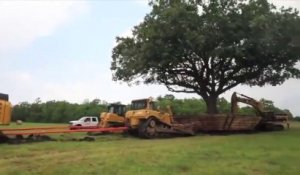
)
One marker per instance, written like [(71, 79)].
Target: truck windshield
[(82, 119)]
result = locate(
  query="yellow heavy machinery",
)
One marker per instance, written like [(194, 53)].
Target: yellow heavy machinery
[(5, 109), (270, 121), (145, 119), (114, 117), (5, 114)]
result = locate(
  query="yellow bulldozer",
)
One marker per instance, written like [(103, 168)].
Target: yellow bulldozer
[(5, 109), (148, 121), (5, 114), (114, 117)]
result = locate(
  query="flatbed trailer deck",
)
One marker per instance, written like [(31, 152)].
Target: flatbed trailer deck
[(220, 122), (6, 135), (56, 130)]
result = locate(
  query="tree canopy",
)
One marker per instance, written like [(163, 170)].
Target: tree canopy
[(208, 47)]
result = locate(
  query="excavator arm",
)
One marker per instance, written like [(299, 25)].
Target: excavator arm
[(269, 118), (258, 106)]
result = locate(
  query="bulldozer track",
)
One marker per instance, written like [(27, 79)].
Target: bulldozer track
[(153, 128)]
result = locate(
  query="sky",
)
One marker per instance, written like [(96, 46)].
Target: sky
[(61, 50)]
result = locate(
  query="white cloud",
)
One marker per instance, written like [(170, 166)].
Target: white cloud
[(142, 2), (22, 22), (286, 3), (126, 33)]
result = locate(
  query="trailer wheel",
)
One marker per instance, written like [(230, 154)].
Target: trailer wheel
[(3, 138)]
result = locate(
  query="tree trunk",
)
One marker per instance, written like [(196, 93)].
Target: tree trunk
[(211, 105)]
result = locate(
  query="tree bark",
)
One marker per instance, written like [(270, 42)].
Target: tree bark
[(211, 104)]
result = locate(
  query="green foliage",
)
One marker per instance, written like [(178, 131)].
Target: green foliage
[(193, 106), (56, 111), (223, 105), (288, 112), (269, 106), (247, 110), (209, 47)]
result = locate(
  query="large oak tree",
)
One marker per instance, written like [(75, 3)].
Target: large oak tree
[(208, 47)]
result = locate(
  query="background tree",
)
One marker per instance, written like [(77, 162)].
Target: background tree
[(297, 118), (208, 47)]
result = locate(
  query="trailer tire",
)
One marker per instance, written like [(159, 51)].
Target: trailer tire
[(3, 138)]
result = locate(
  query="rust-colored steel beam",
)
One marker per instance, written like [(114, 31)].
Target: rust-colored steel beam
[(35, 128), (44, 131)]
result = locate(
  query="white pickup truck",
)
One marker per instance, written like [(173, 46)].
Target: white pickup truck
[(86, 121)]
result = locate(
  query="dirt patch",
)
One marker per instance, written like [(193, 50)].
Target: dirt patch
[(20, 139)]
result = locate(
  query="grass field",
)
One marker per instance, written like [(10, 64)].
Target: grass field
[(257, 154)]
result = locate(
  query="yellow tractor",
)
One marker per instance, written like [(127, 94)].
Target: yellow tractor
[(5, 114), (5, 109), (114, 117), (148, 121)]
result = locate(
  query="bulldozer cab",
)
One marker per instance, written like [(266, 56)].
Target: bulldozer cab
[(115, 116), (117, 109), (147, 103)]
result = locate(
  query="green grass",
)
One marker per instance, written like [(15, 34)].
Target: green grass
[(257, 154)]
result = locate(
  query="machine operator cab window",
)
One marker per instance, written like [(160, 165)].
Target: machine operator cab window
[(121, 110), (111, 109), (117, 109), (152, 105), (138, 104), (142, 104)]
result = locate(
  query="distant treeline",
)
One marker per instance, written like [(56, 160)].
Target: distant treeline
[(194, 106), (56, 111), (63, 111)]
